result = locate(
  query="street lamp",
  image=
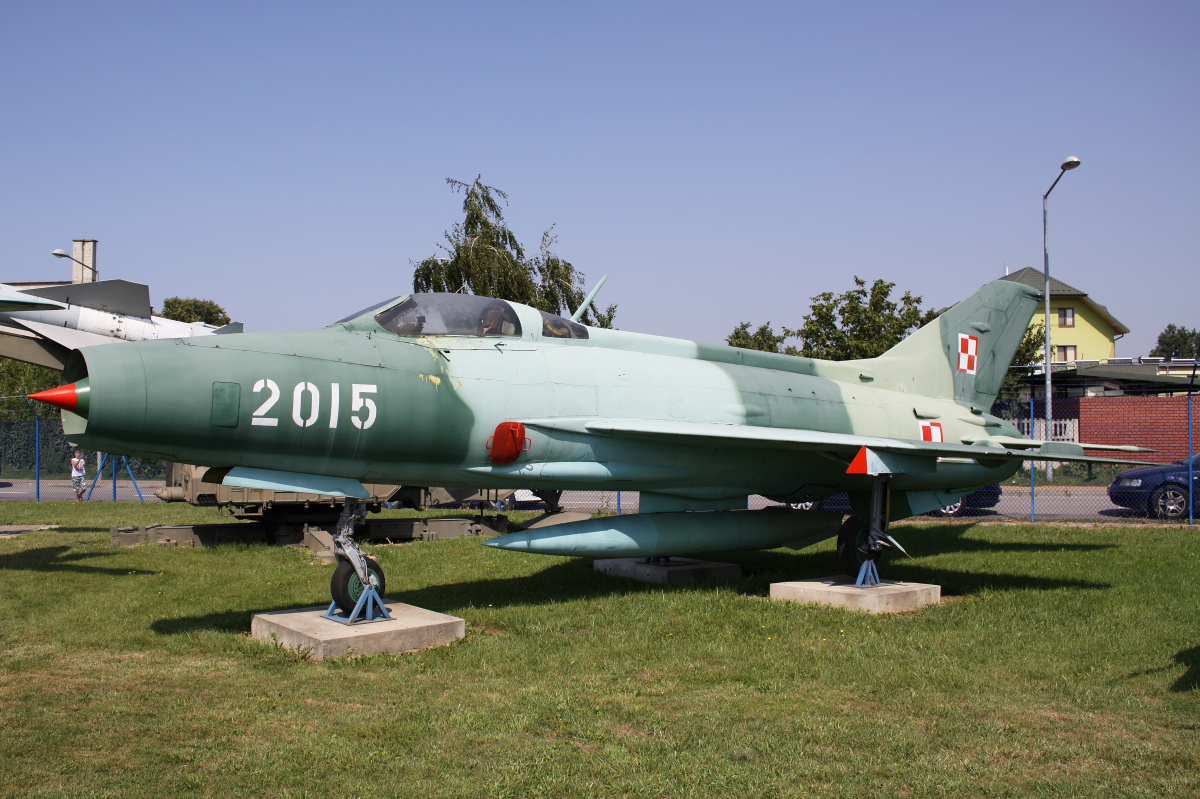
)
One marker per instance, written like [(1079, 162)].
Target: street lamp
[(1070, 163), (65, 254)]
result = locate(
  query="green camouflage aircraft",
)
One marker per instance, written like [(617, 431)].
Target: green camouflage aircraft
[(466, 391)]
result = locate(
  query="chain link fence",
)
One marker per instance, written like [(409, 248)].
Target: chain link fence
[(35, 463), (35, 455)]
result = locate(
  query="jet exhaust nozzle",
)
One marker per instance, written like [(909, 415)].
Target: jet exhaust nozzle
[(73, 397)]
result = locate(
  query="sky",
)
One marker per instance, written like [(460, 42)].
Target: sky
[(721, 162)]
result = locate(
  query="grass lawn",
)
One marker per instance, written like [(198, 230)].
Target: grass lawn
[(1064, 662)]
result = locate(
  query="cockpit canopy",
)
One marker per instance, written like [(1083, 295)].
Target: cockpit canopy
[(451, 315), (461, 315)]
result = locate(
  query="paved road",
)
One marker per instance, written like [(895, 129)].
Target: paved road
[(1054, 502), (60, 491)]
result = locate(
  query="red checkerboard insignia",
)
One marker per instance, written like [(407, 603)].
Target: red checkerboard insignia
[(931, 431), (968, 353)]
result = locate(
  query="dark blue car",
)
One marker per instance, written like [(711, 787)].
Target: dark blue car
[(1160, 491)]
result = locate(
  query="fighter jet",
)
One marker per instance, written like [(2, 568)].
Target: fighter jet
[(43, 325), (466, 391)]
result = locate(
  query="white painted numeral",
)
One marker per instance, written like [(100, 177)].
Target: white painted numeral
[(260, 417), (335, 400), (357, 402), (297, 403)]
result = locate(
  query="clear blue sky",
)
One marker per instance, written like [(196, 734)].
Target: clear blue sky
[(722, 162)]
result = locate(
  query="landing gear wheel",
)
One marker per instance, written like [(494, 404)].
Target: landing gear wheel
[(345, 586), (851, 541), (949, 510), (1169, 502)]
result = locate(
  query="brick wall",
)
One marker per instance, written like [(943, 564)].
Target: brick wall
[(1156, 422)]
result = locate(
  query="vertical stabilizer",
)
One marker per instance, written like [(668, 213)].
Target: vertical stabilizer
[(964, 353)]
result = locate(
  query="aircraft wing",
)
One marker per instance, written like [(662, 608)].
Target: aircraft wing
[(67, 337), (897, 454), (115, 296)]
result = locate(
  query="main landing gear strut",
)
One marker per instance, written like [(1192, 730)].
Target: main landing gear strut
[(862, 541), (357, 585)]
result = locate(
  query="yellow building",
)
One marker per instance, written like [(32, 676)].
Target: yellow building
[(1081, 329)]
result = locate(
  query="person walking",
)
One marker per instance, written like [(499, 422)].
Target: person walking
[(78, 472)]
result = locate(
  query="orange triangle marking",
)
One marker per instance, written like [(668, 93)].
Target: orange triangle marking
[(859, 464)]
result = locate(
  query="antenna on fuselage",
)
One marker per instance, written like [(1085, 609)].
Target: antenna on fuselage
[(579, 312)]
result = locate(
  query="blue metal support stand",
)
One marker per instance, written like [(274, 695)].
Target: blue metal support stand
[(369, 608), (868, 575), (100, 471)]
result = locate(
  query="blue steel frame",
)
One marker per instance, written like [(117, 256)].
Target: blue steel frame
[(370, 603)]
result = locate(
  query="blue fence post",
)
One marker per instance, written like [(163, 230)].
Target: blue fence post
[(1191, 451), (114, 468), (37, 459), (1032, 468), (618, 503)]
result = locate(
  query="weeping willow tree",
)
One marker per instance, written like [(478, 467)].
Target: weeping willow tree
[(484, 257)]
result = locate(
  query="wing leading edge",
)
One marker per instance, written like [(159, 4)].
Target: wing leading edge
[(863, 454)]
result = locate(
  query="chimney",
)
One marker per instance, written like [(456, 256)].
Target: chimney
[(83, 268)]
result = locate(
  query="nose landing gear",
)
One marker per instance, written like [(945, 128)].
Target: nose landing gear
[(358, 583)]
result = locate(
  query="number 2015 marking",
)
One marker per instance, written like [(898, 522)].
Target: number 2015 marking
[(359, 404)]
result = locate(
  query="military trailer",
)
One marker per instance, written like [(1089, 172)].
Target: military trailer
[(299, 519)]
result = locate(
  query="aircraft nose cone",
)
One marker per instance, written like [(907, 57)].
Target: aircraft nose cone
[(71, 397)]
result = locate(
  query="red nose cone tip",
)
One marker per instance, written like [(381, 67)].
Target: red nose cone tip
[(62, 397)]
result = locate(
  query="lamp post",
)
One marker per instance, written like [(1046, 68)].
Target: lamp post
[(65, 254), (1070, 163)]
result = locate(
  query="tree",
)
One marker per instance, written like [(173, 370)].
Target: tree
[(763, 339), (18, 379), (860, 323), (485, 258), (1031, 350), (190, 309), (1176, 343)]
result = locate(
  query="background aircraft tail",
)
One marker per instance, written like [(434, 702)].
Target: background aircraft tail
[(965, 353)]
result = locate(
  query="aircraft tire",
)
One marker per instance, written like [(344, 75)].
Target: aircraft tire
[(850, 537), (345, 586)]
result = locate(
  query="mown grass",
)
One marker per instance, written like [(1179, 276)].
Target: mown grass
[(1065, 662)]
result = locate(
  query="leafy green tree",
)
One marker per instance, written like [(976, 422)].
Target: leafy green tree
[(859, 323), (1176, 343), (191, 309), (764, 339), (1031, 350), (484, 257), (18, 379)]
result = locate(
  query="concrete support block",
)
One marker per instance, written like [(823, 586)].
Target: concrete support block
[(674, 570), (410, 628), (888, 597)]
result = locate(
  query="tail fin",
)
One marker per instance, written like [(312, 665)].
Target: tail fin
[(964, 353)]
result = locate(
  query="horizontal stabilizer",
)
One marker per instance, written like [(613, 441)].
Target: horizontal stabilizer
[(1048, 446), (232, 327), (272, 480), (115, 296)]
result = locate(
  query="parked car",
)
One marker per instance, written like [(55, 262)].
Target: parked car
[(1160, 491), (986, 497)]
